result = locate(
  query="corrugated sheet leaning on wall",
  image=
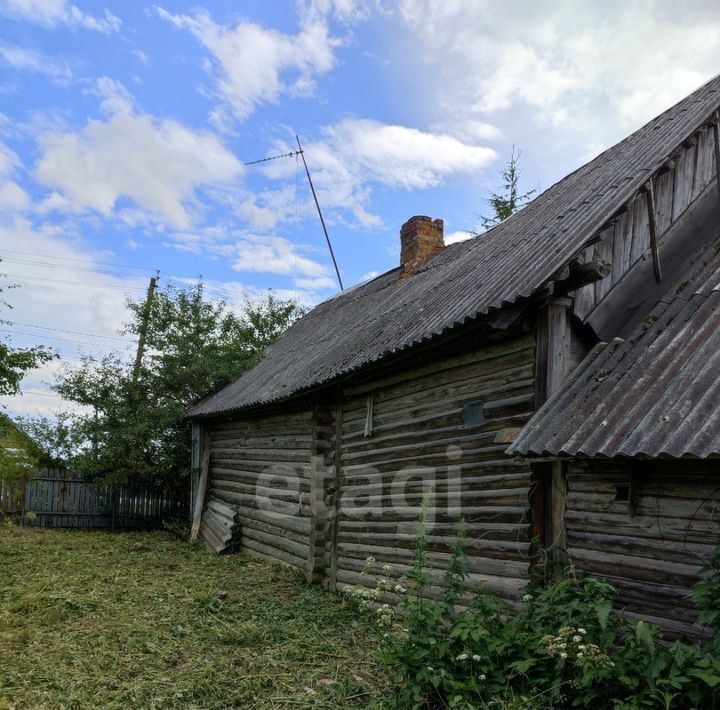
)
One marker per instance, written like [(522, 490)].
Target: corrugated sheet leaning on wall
[(262, 466)]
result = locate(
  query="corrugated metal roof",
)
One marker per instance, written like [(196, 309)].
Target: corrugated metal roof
[(654, 394), (467, 280)]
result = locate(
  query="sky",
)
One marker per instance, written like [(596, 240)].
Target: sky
[(125, 128)]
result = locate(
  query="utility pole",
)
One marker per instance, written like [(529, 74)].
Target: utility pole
[(144, 324)]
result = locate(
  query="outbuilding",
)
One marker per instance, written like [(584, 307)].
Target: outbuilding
[(552, 382)]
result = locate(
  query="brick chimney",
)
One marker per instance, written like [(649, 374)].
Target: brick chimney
[(420, 238)]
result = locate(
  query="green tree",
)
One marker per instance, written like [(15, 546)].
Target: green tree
[(19, 453), (133, 427), (55, 439), (510, 200)]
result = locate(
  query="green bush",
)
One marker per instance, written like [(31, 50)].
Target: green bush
[(562, 647)]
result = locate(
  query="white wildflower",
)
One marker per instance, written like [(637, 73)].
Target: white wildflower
[(582, 631), (527, 598), (577, 639), (387, 569), (462, 657), (476, 657), (482, 676), (563, 655)]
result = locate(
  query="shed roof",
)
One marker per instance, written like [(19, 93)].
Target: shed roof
[(464, 281), (653, 394)]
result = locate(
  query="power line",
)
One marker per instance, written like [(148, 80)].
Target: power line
[(55, 265), (78, 259), (54, 337), (41, 394), (72, 332), (74, 283)]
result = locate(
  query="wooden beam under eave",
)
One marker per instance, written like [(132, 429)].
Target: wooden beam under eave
[(652, 222), (579, 273), (716, 136)]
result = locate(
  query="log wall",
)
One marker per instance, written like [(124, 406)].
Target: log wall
[(261, 466), (647, 527), (437, 430)]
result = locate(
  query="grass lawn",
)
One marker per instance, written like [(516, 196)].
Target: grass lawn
[(138, 620)]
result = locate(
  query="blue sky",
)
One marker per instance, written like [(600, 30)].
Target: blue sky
[(124, 127)]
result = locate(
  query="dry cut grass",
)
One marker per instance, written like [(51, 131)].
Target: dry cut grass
[(137, 620)]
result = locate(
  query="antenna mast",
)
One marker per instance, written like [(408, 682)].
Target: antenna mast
[(322, 221)]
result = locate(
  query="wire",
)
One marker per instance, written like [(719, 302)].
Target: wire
[(72, 332), (74, 283), (40, 394), (54, 337), (78, 259), (51, 265)]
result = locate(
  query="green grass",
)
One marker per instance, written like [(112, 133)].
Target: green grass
[(142, 620)]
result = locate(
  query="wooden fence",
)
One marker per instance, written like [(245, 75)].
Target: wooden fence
[(64, 498)]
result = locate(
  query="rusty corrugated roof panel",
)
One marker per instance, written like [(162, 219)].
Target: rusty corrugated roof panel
[(656, 393), (464, 281)]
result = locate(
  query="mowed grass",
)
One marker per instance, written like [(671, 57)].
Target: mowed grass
[(143, 620)]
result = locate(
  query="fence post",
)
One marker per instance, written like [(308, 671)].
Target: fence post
[(112, 508), (25, 500)]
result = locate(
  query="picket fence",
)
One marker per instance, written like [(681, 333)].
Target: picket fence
[(63, 498)]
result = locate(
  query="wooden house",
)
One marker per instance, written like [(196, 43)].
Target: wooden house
[(553, 380)]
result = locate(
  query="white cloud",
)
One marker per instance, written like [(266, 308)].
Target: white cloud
[(253, 64), (459, 236), (24, 59), (353, 155), (236, 293), (59, 12), (273, 255), (400, 156), (246, 252), (115, 97), (156, 163), (575, 67), (12, 197), (60, 286)]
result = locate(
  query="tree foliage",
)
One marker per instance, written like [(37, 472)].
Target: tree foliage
[(19, 454), (510, 200), (133, 425)]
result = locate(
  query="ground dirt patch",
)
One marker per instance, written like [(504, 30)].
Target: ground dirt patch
[(143, 620)]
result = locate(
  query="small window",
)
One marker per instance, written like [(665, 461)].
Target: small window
[(474, 414), (622, 493)]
